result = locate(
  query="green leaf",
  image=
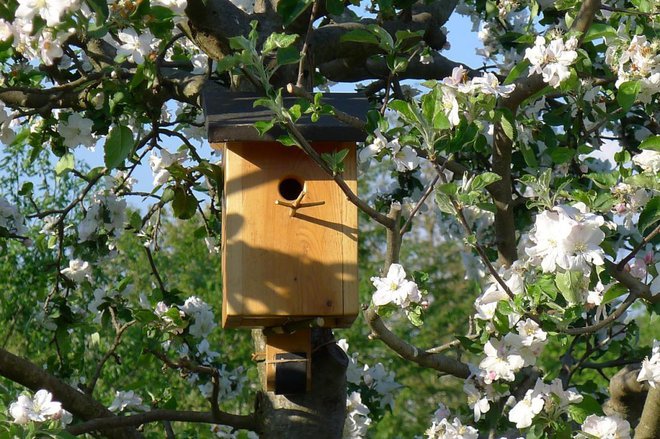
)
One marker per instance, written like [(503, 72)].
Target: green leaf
[(588, 406), (26, 188), (599, 30), (516, 72), (118, 145), (385, 40), (650, 215), (404, 109), (528, 155), (184, 203), (627, 94), (65, 163), (101, 9), (359, 36), (289, 10), (264, 126), (507, 121), (484, 179), (278, 41), (287, 140), (334, 7), (652, 143), (288, 55), (560, 154), (444, 203), (571, 285), (616, 290)]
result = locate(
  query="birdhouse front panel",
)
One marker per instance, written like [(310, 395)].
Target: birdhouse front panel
[(289, 237)]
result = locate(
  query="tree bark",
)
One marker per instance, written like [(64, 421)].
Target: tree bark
[(317, 414)]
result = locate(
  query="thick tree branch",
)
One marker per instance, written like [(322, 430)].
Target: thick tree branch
[(409, 352), (246, 422), (649, 422), (24, 372)]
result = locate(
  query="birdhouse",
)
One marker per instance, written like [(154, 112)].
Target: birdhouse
[(289, 237)]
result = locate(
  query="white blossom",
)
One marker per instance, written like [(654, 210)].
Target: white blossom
[(50, 10), (503, 360), (650, 371), (357, 417), (76, 131), (160, 164), (490, 84), (136, 47), (405, 158), (442, 428), (526, 409), (6, 30), (10, 218), (552, 61), (374, 148), (648, 160), (38, 409), (394, 288), (605, 427), (126, 400), (567, 237), (78, 271), (202, 314)]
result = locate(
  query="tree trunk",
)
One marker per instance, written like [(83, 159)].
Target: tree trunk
[(317, 414)]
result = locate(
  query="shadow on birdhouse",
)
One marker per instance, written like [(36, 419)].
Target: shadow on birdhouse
[(289, 237)]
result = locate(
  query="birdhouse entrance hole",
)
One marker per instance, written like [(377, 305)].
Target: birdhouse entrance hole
[(290, 188)]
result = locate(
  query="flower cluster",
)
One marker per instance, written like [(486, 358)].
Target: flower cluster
[(39, 408), (442, 428), (636, 59), (44, 43), (375, 380), (506, 356), (552, 61), (567, 237), (357, 417), (105, 214), (648, 160), (202, 315), (604, 427), (550, 398), (650, 371)]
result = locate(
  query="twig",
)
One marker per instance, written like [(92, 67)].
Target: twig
[(622, 265), (339, 115), (154, 269), (360, 203), (419, 204), (115, 344), (606, 321), (305, 47)]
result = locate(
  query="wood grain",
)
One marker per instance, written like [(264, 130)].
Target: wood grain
[(279, 268)]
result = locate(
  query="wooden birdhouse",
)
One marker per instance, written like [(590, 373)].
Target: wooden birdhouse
[(289, 238)]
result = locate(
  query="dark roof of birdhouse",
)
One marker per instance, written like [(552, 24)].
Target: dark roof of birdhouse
[(230, 116)]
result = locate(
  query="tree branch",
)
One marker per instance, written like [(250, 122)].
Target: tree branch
[(649, 422), (24, 372), (409, 352), (246, 422)]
